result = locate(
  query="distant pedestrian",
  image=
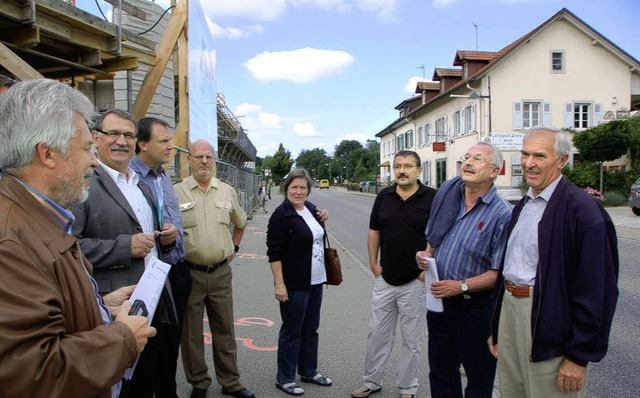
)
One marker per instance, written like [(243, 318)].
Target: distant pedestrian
[(296, 254), (396, 232), (262, 195), (557, 287)]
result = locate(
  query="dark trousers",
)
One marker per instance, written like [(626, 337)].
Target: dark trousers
[(155, 373), (298, 341), (458, 335)]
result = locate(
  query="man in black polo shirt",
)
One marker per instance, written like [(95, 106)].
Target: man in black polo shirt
[(396, 231)]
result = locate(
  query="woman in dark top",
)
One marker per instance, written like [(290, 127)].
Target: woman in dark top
[(296, 254)]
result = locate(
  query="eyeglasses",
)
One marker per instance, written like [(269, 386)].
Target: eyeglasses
[(115, 135), (407, 166), (474, 159)]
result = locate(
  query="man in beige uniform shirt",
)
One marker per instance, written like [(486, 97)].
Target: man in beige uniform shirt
[(207, 206)]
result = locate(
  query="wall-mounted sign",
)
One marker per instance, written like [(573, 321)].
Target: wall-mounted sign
[(507, 141), (439, 146)]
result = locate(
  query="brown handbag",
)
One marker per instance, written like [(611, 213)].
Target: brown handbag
[(331, 263)]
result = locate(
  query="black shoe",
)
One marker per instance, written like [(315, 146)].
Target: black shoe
[(241, 393), (199, 393)]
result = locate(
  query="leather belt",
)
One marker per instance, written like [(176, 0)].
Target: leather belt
[(205, 268), (518, 291)]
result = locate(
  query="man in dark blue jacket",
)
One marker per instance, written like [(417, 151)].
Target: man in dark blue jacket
[(557, 289)]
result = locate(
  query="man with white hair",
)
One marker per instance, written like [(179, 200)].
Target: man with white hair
[(57, 335)]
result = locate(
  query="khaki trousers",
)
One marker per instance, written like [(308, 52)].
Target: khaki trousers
[(211, 291), (519, 377)]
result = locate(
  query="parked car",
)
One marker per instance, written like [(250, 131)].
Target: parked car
[(324, 184), (316, 183), (634, 198)]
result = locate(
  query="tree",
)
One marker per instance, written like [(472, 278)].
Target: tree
[(314, 161), (603, 143), (281, 164), (345, 147)]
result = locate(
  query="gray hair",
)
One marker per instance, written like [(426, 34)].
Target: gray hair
[(297, 173), (496, 154), (562, 142), (36, 111), (118, 112)]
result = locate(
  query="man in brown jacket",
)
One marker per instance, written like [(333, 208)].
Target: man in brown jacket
[(57, 335)]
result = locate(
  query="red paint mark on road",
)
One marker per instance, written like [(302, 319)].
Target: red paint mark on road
[(251, 256), (246, 341)]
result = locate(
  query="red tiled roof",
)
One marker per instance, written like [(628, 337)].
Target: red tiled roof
[(439, 73), (427, 86), (462, 55)]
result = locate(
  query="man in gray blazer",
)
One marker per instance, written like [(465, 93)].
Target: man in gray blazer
[(117, 228)]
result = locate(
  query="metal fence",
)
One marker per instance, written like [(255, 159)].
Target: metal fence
[(245, 183)]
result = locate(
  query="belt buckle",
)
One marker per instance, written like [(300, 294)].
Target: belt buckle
[(211, 268)]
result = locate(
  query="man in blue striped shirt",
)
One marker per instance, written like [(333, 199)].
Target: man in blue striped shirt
[(466, 235)]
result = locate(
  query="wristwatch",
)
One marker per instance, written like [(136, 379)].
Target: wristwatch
[(464, 286)]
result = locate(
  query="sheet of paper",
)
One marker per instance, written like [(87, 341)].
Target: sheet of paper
[(431, 275), (147, 293)]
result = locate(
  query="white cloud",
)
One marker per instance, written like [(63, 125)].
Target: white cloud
[(298, 66), (246, 108), (384, 9), (412, 83), (271, 121), (354, 136), (256, 10), (305, 129), (218, 31)]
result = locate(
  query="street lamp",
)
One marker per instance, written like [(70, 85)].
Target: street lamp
[(475, 95), (330, 179)]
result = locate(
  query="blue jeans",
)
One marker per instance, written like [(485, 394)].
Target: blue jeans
[(298, 341), (458, 335)]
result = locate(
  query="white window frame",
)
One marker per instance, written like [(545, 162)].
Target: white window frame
[(427, 133), (556, 56), (408, 139), (456, 120), (582, 115), (420, 137), (470, 119), (441, 129), (400, 142), (531, 117)]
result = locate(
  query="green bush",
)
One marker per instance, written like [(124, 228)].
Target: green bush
[(612, 199)]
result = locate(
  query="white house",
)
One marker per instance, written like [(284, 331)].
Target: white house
[(561, 74)]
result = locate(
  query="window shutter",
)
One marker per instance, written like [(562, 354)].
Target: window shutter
[(463, 124), (446, 127), (473, 117), (568, 116), (546, 114), (427, 132), (597, 114), (517, 115)]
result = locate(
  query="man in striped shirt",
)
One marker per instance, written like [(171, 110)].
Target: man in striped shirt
[(466, 235)]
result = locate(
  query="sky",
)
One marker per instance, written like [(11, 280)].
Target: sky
[(311, 73)]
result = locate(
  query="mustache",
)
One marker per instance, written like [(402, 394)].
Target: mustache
[(403, 175), (120, 148), (469, 169)]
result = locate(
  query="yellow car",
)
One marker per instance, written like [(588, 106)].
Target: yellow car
[(324, 184)]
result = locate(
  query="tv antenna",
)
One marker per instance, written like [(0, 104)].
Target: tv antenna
[(475, 25)]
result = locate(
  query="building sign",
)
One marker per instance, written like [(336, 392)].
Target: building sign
[(507, 141), (439, 146)]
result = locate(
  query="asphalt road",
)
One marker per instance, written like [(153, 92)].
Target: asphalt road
[(346, 308)]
